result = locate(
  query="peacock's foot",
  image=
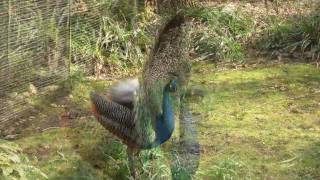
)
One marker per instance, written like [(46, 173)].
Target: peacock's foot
[(132, 153), (133, 173)]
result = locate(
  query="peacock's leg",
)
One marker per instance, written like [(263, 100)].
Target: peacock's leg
[(131, 162), (186, 158)]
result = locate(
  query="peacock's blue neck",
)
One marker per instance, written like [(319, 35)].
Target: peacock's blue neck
[(164, 121)]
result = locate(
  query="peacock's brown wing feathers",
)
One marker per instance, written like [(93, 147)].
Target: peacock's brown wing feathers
[(116, 118)]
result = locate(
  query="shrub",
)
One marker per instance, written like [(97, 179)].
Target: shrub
[(14, 165), (222, 33)]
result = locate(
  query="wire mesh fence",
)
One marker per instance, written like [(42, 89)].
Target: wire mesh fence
[(36, 47)]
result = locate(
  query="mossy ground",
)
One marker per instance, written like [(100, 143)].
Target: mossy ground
[(258, 122)]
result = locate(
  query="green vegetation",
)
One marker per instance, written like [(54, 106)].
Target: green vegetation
[(227, 31), (253, 123), (104, 38), (300, 33), (257, 119), (259, 122), (15, 165), (221, 33)]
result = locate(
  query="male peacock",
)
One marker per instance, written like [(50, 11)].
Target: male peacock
[(142, 114)]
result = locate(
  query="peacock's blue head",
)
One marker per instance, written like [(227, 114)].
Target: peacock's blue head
[(171, 86)]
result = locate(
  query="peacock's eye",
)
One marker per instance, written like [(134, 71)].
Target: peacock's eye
[(173, 86)]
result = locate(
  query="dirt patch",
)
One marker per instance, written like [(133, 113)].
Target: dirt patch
[(61, 114), (42, 152)]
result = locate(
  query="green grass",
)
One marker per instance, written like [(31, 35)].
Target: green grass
[(87, 152), (72, 153), (267, 118), (254, 123)]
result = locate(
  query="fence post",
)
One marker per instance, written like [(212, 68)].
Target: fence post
[(69, 38)]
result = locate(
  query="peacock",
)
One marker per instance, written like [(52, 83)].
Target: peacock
[(140, 112)]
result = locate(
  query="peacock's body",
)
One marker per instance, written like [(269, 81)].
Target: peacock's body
[(141, 113), (117, 114)]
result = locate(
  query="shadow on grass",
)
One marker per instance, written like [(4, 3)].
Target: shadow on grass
[(288, 79), (109, 157), (308, 165), (93, 152), (32, 106)]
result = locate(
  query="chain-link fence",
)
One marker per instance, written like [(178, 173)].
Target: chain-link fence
[(34, 50), (42, 40), (36, 47)]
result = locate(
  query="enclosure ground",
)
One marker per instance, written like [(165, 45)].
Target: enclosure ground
[(256, 122)]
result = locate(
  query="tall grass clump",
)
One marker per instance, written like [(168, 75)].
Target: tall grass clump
[(300, 33), (222, 32), (119, 46), (104, 37)]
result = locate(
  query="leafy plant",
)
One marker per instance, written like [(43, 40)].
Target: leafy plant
[(15, 165)]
